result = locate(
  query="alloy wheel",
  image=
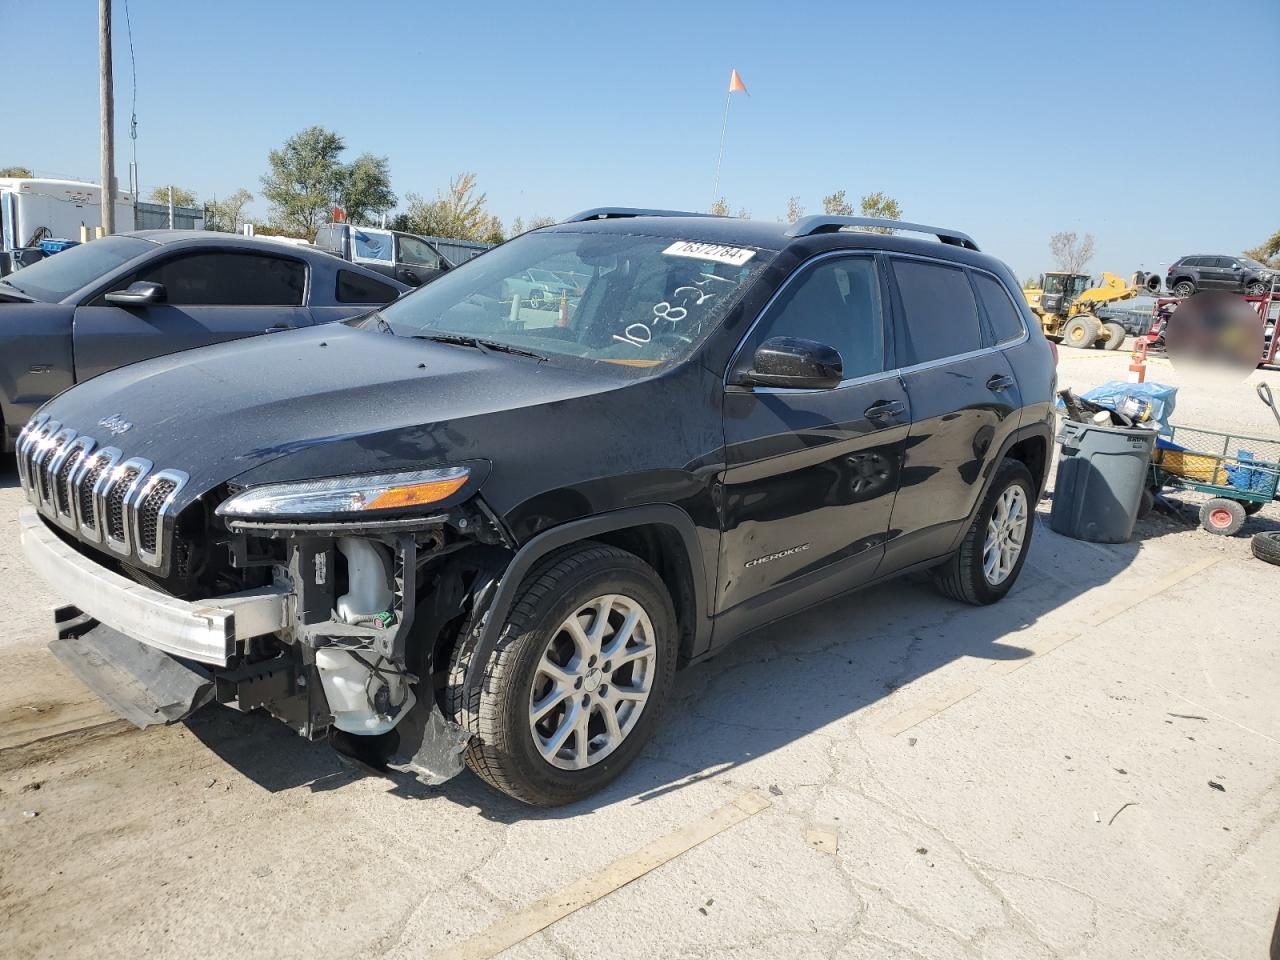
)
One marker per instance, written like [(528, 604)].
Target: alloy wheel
[(1006, 531), (592, 682)]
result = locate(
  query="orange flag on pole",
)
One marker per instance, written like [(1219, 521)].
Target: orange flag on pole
[(736, 84)]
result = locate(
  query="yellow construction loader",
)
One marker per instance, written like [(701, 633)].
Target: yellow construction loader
[(1065, 304)]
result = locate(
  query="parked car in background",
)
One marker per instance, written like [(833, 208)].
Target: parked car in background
[(411, 259), (466, 524), (1189, 275), (133, 296)]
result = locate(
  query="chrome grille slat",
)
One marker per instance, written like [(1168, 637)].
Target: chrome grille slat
[(124, 505)]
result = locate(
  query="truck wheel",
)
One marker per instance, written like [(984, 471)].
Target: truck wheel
[(989, 560), (1184, 288), (1113, 336), (1222, 516), (583, 668), (1266, 546), (1080, 332), (1256, 289)]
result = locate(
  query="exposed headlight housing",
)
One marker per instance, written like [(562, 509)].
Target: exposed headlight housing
[(346, 496)]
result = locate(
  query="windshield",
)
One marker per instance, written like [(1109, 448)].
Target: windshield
[(617, 298), (1250, 262), (1054, 283), (57, 277)]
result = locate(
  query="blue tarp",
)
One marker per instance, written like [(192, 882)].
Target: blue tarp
[(1144, 402)]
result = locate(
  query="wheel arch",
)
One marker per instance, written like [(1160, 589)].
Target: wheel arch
[(1030, 445), (662, 535)]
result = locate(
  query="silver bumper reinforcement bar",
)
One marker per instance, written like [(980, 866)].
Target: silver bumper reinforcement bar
[(206, 631)]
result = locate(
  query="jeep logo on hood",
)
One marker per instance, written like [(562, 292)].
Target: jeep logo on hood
[(115, 424)]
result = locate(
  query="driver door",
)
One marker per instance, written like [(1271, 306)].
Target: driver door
[(417, 262), (811, 474), (210, 296)]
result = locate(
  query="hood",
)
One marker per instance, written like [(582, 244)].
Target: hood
[(327, 401)]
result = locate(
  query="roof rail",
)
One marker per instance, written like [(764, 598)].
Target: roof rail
[(808, 226), (614, 213)]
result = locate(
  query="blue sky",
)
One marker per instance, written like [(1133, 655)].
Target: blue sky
[(1152, 126)]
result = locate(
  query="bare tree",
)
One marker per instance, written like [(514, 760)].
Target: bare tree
[(795, 210), (835, 205), (744, 213), (458, 213), (227, 214), (720, 208), (1268, 251), (1072, 253)]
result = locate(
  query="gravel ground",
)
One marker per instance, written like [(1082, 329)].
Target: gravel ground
[(1088, 769)]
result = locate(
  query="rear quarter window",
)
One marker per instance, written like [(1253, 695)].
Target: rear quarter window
[(354, 287), (939, 312), (1005, 320)]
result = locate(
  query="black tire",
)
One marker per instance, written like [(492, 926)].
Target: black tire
[(1222, 517), (1266, 546), (1256, 289), (1114, 334), (1081, 332), (1184, 288), (962, 577), (502, 750)]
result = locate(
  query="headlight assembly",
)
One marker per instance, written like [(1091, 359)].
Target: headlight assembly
[(346, 496)]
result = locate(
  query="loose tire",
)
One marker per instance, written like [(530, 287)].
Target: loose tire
[(1081, 332), (1222, 516), (1113, 336), (1184, 288), (541, 718), (992, 553), (1266, 546)]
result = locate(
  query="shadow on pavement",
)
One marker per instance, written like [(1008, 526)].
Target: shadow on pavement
[(773, 687)]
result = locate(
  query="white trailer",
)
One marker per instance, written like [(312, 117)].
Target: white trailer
[(33, 209)]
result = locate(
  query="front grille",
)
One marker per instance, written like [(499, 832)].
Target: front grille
[(123, 505)]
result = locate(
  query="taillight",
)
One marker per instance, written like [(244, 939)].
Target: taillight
[(1053, 348)]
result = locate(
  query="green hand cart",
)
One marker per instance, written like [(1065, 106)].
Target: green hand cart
[(1240, 473)]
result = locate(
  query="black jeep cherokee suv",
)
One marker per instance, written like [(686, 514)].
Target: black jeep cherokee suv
[(1188, 275), (477, 526)]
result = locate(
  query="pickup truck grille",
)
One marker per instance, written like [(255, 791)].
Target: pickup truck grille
[(124, 505)]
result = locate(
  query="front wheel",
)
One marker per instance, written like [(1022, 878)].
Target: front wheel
[(583, 668), (991, 556), (1222, 516), (1256, 289)]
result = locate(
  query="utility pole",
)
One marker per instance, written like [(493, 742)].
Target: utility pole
[(107, 118)]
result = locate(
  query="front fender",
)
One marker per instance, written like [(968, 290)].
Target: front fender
[(37, 361)]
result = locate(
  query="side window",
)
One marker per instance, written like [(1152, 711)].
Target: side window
[(416, 253), (357, 288), (230, 280), (836, 303), (1225, 263), (940, 315), (1194, 262), (371, 246), (1006, 322)]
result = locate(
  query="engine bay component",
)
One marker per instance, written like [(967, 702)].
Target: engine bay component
[(366, 693)]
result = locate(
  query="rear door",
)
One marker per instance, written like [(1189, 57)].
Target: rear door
[(964, 403), (1216, 273), (810, 474), (211, 296)]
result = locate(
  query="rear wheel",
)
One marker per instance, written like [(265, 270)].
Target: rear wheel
[(1222, 516), (991, 556), (1184, 288), (1113, 336), (1081, 332), (583, 668)]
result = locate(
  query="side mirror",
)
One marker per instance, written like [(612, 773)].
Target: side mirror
[(139, 294), (793, 362)]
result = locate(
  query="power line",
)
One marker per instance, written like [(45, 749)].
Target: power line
[(133, 112)]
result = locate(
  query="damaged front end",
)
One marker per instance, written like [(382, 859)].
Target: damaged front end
[(350, 593)]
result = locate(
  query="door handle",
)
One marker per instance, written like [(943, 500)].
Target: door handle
[(277, 328), (885, 410), (999, 382)]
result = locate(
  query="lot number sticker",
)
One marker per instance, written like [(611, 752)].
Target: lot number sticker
[(716, 252)]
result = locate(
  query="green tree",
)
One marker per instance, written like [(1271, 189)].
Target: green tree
[(720, 208), (835, 205), (1268, 251), (305, 180), (366, 188), (883, 206), (227, 214), (182, 197), (16, 172), (458, 213)]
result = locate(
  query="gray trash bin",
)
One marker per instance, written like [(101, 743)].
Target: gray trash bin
[(1101, 474)]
